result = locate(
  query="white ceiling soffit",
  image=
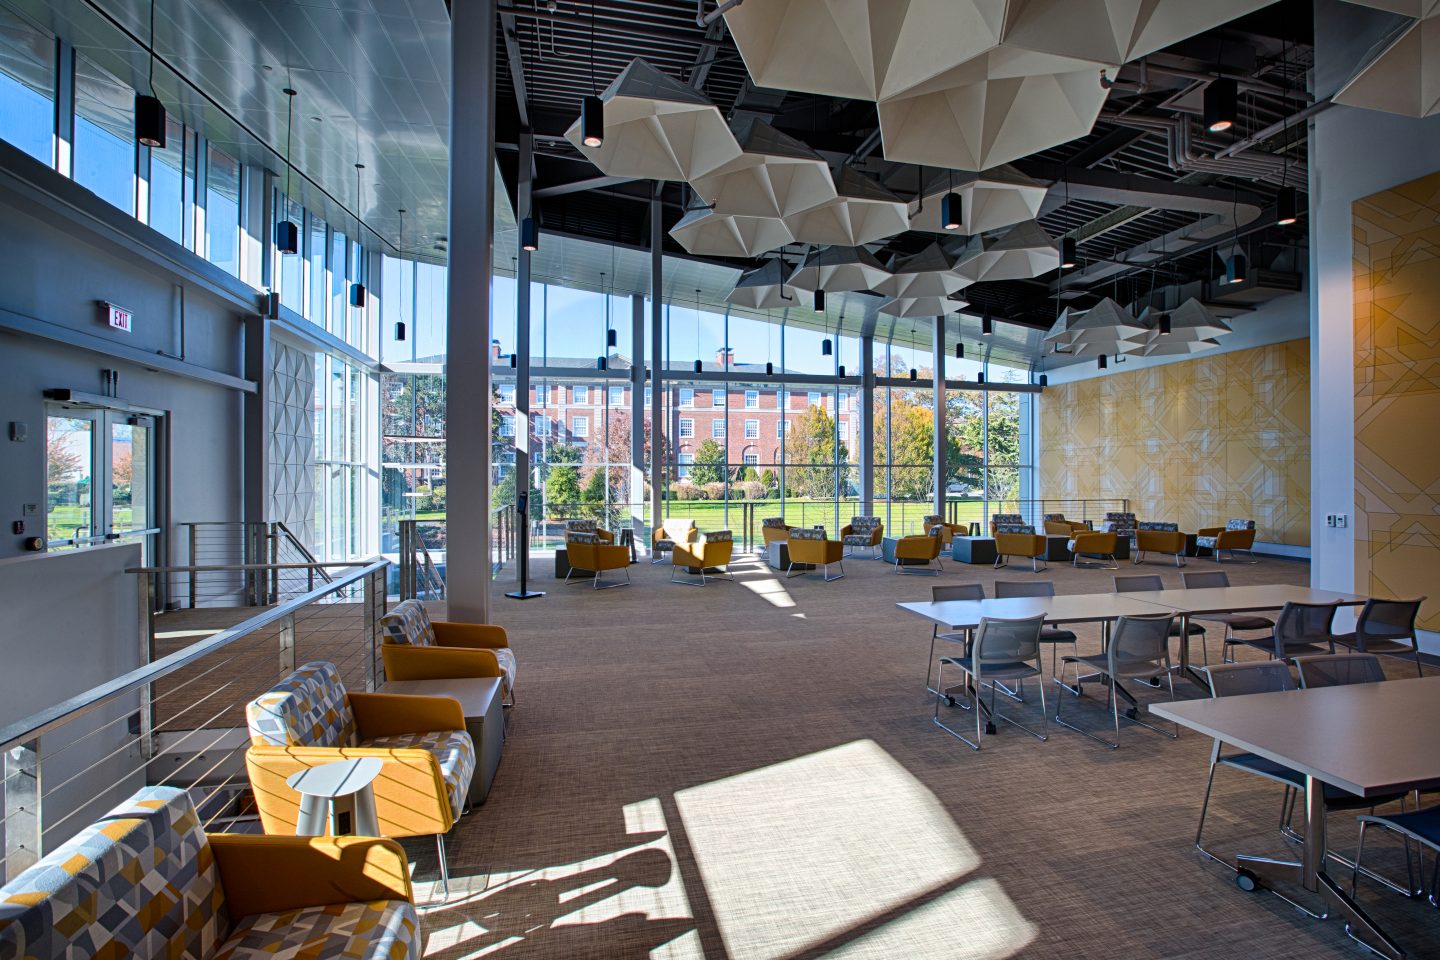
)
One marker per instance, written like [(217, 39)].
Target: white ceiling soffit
[(1115, 31), (764, 288), (922, 307), (1000, 106), (775, 176), (988, 200), (1022, 252), (657, 128), (837, 270), (862, 212), (1403, 77), (710, 234), (860, 49), (929, 273)]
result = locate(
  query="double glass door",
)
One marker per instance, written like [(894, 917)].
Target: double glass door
[(100, 477)]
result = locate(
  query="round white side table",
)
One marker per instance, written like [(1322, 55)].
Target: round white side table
[(339, 793)]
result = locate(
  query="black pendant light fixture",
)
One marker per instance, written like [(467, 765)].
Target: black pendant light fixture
[(952, 207), (769, 369), (1221, 96), (599, 363), (699, 365), (826, 346), (400, 324), (1164, 324), (1068, 257), (980, 377), (914, 374), (840, 371), (149, 111), (1236, 268), (357, 289), (529, 235), (592, 108), (514, 360), (1286, 207), (987, 324), (1104, 361), (819, 301), (959, 350), (1044, 379), (287, 234)]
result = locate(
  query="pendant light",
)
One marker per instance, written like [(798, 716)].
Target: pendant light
[(287, 234), (1236, 268), (592, 108), (980, 377), (841, 372), (529, 235), (400, 324), (769, 369), (1044, 378), (1287, 207), (1164, 326), (149, 111), (357, 289), (819, 301), (1104, 361), (952, 207), (987, 324), (826, 347), (611, 338), (914, 374), (1067, 253), (1220, 100), (514, 360), (699, 364), (959, 350)]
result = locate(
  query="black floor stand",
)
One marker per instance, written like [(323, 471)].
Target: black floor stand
[(523, 593)]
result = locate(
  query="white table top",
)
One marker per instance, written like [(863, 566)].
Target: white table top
[(338, 779), (1071, 608), (473, 693), (1243, 599), (1369, 738)]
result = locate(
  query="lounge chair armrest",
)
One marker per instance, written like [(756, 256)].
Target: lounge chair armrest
[(270, 874), (475, 635), (395, 714), (406, 662), (410, 792), (1209, 531)]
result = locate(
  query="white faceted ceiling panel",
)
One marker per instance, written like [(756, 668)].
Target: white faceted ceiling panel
[(988, 200), (774, 176), (1115, 31), (1402, 78), (710, 234), (862, 212)]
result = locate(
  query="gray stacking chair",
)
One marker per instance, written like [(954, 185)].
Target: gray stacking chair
[(1422, 826), (1339, 669), (1300, 630), (1145, 583), (1271, 676), (1003, 650), (1139, 650), (956, 591), (1232, 621), (1049, 635), (1386, 627)]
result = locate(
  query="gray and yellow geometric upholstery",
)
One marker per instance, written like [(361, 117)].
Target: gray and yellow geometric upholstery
[(145, 881), (1211, 538), (1121, 524), (573, 527), (807, 533), (863, 532), (672, 531), (306, 709), (774, 530), (452, 748), (409, 625), (1157, 525), (1015, 528), (1235, 535), (998, 520)]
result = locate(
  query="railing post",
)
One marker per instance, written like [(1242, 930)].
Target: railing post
[(23, 824), (274, 536), (372, 608), (193, 563), (287, 645), (146, 600)]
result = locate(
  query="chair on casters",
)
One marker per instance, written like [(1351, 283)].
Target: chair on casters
[(958, 591), (1051, 635), (1139, 650), (1386, 627), (1301, 629), (1235, 535), (1338, 670), (1003, 650), (713, 551), (1211, 579), (1145, 583), (1096, 546), (809, 546), (1019, 540), (1269, 676)]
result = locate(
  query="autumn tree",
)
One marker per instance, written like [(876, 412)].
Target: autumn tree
[(810, 451), (709, 464)]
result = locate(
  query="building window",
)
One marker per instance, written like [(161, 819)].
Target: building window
[(683, 469), (27, 84), (167, 197), (541, 394), (780, 427), (687, 427), (542, 425), (507, 393), (507, 425), (717, 428), (815, 398), (687, 396), (617, 396), (647, 395), (717, 398), (222, 211), (844, 428), (104, 131), (579, 394), (752, 429), (580, 426), (752, 459), (315, 266), (752, 399)]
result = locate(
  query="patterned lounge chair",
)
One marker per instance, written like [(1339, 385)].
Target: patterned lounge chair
[(1235, 535), (418, 648), (862, 532)]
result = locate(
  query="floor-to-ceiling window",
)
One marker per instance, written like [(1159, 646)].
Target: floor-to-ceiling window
[(104, 134), (27, 83)]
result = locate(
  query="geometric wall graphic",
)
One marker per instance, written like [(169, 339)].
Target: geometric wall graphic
[(1397, 393), (290, 387), (1195, 442)]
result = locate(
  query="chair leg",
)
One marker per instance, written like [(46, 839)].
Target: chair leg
[(1204, 809), (444, 866)]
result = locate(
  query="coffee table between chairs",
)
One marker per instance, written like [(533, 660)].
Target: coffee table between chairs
[(479, 699)]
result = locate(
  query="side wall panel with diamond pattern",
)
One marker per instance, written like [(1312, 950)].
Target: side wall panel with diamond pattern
[(1397, 393), (1195, 442), (292, 440)]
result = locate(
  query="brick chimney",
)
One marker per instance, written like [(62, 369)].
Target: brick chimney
[(724, 357), (494, 349)]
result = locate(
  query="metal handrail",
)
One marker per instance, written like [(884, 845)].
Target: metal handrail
[(111, 537), (61, 713)]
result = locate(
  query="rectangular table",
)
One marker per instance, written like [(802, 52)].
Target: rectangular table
[(480, 701), (1371, 739)]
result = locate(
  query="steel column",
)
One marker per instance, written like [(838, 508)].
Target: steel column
[(637, 418), (937, 350), (867, 424), (657, 355)]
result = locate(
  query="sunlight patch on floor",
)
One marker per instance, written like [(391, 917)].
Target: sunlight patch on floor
[(799, 854), (975, 921), (770, 590)]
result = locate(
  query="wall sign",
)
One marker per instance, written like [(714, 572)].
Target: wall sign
[(117, 316)]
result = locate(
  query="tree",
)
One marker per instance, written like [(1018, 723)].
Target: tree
[(562, 475), (810, 449), (709, 465), (62, 460), (594, 491)]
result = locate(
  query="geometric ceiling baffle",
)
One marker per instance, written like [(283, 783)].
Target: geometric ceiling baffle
[(1019, 253), (1403, 76), (996, 108), (859, 49), (657, 129), (838, 270), (922, 307), (775, 176), (990, 200), (929, 273), (1193, 328), (1106, 328), (706, 233), (862, 212), (1115, 31), (764, 288)]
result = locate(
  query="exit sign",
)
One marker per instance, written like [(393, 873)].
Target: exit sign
[(118, 317)]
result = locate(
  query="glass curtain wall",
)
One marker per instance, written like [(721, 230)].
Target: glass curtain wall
[(27, 84)]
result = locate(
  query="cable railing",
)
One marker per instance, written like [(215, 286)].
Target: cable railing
[(215, 545), (179, 720)]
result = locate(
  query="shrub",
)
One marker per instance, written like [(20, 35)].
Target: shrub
[(714, 491), (753, 489)]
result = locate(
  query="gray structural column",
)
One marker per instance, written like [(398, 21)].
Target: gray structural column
[(637, 417), (937, 349), (256, 430), (657, 359), (867, 424), (523, 458), (467, 363)]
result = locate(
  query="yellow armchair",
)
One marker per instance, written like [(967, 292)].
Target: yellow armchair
[(1097, 545), (1057, 526), (588, 553), (1019, 540), (774, 530), (1235, 535), (1159, 538), (862, 532), (949, 530), (712, 551), (925, 548), (809, 546), (670, 532), (588, 526), (415, 647)]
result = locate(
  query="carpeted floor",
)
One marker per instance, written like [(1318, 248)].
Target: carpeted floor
[(749, 770)]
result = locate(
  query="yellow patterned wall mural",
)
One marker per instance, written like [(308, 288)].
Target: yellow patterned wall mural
[(1397, 394), (1195, 442)]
